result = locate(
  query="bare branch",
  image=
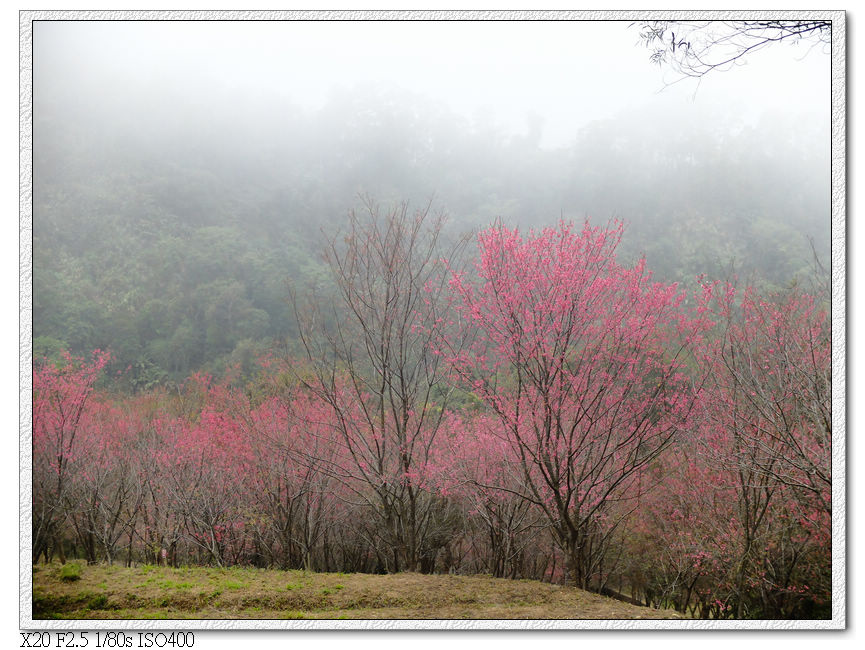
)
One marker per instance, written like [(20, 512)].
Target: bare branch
[(693, 49)]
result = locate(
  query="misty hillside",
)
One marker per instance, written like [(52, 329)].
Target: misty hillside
[(171, 215)]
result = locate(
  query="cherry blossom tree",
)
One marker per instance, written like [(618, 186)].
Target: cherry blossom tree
[(769, 427), (484, 476), (773, 382), (61, 396), (293, 446), (108, 483), (742, 525), (583, 362)]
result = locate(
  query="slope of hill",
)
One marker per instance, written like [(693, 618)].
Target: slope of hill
[(148, 592)]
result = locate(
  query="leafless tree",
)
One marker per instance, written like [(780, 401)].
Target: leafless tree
[(371, 357)]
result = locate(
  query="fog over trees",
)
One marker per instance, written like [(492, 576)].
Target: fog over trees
[(437, 296), (175, 197)]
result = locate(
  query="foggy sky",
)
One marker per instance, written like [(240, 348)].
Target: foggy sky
[(558, 76)]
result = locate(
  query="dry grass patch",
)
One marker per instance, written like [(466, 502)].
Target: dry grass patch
[(203, 592)]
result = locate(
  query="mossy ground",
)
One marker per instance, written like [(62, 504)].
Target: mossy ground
[(149, 592)]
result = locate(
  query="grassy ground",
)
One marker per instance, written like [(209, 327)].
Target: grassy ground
[(101, 592)]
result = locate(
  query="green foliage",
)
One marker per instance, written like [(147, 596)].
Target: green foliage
[(99, 601), (48, 347), (70, 572)]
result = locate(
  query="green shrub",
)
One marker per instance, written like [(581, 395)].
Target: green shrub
[(98, 602), (70, 572)]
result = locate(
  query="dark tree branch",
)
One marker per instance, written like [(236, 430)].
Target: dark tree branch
[(692, 49)]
